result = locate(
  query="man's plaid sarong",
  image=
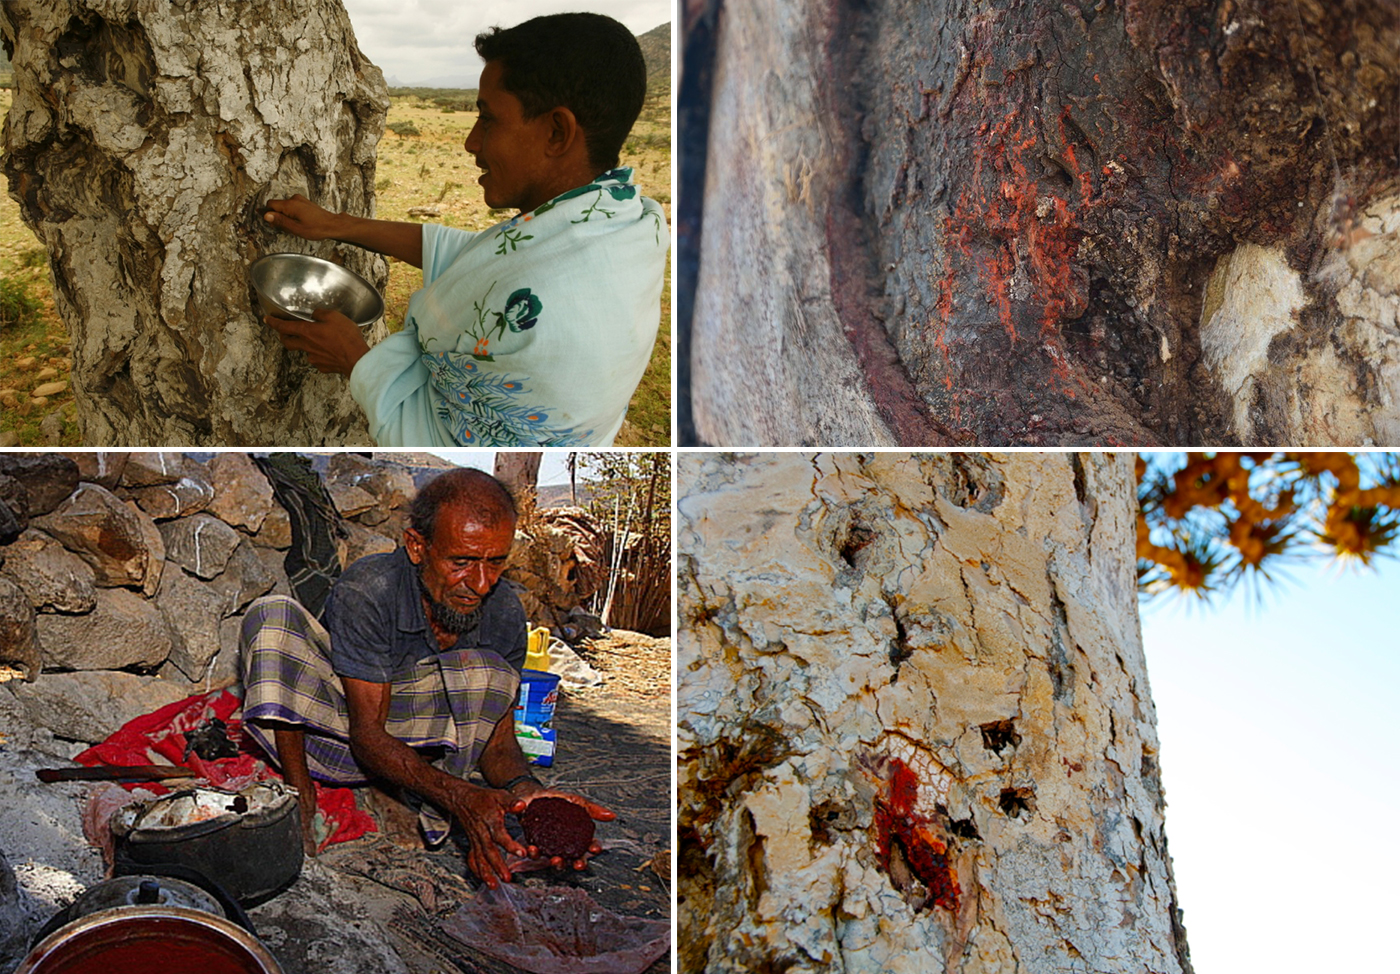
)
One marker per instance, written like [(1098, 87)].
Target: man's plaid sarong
[(453, 700)]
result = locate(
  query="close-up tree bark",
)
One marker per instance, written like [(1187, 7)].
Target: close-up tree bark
[(142, 145), (1098, 222), (915, 729)]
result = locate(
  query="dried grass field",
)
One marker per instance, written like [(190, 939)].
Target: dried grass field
[(422, 164)]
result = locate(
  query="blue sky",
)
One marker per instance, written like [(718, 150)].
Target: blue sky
[(1276, 723)]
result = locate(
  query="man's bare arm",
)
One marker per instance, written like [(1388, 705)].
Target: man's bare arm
[(481, 811), (305, 219)]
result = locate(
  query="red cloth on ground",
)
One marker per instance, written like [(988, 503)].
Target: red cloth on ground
[(159, 738)]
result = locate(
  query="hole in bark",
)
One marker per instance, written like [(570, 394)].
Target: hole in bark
[(77, 50), (963, 828), (758, 868), (695, 893), (971, 480), (999, 735), (899, 651), (1081, 488), (858, 538), (693, 862), (821, 819), (1017, 802)]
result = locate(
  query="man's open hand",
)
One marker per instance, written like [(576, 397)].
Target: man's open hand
[(482, 814), (332, 343)]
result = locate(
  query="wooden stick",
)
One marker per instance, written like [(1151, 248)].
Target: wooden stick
[(136, 772)]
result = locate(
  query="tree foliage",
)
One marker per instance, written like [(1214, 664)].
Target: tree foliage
[(1208, 521), (629, 494)]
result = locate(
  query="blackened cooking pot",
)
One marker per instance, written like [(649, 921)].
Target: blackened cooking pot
[(249, 842)]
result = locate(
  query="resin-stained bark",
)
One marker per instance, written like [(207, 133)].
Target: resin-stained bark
[(143, 142), (1005, 223), (915, 728)]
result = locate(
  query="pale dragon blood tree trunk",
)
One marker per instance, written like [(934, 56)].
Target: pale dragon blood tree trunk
[(143, 142), (944, 222), (915, 728)]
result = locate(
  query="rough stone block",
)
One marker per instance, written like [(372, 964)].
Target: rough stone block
[(101, 467), (18, 648), (124, 630), (188, 495), (364, 541), (52, 577), (148, 468), (90, 706), (96, 526), (192, 610), (350, 500), (389, 484), (200, 544), (47, 477), (242, 494), (243, 579), (276, 530)]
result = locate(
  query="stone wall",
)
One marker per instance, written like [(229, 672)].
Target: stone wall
[(123, 587), (124, 575)]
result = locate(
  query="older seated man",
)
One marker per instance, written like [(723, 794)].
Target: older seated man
[(536, 331), (412, 681)]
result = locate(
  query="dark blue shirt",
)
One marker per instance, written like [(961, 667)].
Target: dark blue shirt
[(379, 629)]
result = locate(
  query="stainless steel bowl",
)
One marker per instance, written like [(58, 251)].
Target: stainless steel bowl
[(294, 285)]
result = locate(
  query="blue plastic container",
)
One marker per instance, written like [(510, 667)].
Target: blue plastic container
[(534, 711), (539, 692)]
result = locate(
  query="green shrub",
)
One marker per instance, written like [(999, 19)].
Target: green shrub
[(384, 183), (17, 305), (33, 257), (404, 128)]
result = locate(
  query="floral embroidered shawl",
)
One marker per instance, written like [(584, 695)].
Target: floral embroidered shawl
[(532, 333)]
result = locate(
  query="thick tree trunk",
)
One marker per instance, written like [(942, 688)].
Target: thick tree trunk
[(1141, 221), (915, 728), (518, 469), (143, 142)]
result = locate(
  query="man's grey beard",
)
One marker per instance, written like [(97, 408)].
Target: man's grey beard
[(446, 617)]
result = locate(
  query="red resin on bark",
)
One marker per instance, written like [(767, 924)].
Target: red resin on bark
[(926, 854)]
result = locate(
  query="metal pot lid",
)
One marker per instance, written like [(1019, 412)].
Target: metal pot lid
[(126, 891)]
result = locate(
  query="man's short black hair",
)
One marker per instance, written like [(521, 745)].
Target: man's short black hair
[(589, 63), (489, 499)]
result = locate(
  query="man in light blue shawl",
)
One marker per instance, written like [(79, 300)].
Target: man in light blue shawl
[(536, 331)]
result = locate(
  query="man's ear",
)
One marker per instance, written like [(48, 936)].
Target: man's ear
[(415, 544), (564, 132)]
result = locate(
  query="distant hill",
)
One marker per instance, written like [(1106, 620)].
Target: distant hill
[(656, 48)]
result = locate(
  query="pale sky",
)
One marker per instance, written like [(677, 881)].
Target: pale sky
[(1276, 725), (554, 466), (429, 42)]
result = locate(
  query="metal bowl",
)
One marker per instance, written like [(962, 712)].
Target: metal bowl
[(295, 285)]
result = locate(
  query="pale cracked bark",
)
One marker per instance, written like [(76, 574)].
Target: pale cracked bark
[(144, 140), (973, 616)]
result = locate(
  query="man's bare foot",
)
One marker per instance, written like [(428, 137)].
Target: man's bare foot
[(397, 821)]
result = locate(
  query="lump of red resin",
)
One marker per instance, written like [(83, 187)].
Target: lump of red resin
[(557, 827)]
